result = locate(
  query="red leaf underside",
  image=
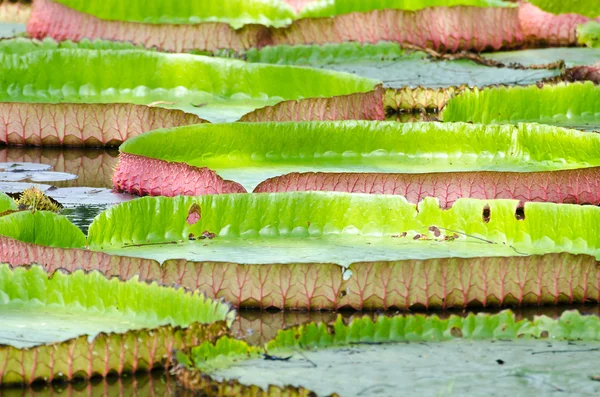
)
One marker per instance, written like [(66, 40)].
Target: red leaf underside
[(448, 29), (406, 284), (580, 186), (83, 124)]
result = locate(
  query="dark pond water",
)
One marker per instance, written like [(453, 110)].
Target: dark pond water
[(80, 179)]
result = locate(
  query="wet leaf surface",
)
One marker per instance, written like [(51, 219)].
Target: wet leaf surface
[(454, 368)]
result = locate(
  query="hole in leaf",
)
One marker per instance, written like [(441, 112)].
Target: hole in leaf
[(456, 332), (520, 212), (487, 213), (194, 214)]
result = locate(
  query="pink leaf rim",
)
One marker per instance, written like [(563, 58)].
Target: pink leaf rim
[(444, 283), (444, 29)]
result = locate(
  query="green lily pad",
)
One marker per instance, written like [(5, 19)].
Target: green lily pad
[(330, 8), (37, 309), (397, 67), (335, 228), (378, 357), (237, 13), (567, 105), (250, 153), (6, 203), (68, 326), (213, 88), (588, 8)]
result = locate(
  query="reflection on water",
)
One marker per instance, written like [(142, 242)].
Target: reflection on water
[(83, 215), (258, 327), (93, 167), (157, 384), (83, 197)]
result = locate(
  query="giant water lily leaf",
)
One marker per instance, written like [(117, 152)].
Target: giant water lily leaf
[(503, 29), (404, 284), (336, 228), (330, 8), (588, 8), (80, 324), (163, 162), (397, 67), (330, 55), (236, 13), (384, 345), (87, 304), (213, 88), (43, 228), (422, 23), (23, 45), (569, 105), (589, 34), (100, 109), (6, 203)]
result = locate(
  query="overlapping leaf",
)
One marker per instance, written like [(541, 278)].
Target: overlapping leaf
[(236, 13), (572, 105), (163, 163), (330, 227), (330, 8), (296, 356), (66, 326), (588, 8), (146, 77)]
